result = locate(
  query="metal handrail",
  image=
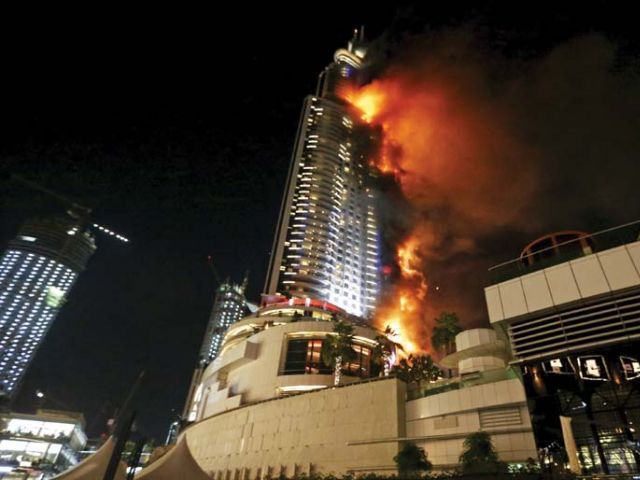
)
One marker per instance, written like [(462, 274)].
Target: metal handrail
[(518, 266)]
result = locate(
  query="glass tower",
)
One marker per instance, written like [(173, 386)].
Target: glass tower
[(228, 307), (326, 245), (37, 271)]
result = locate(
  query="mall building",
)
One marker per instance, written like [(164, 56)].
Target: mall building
[(267, 406), (41, 444), (555, 380), (570, 307)]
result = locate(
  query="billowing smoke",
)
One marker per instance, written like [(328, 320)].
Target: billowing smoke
[(491, 152)]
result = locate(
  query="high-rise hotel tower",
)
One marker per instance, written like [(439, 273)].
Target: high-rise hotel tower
[(326, 245), (37, 271)]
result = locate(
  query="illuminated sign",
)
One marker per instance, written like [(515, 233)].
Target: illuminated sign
[(560, 366), (631, 367), (55, 296), (593, 367)]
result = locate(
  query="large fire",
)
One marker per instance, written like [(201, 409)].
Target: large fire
[(450, 150), (405, 303), (368, 101), (403, 307)]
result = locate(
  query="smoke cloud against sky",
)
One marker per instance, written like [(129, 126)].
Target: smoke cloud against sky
[(491, 152)]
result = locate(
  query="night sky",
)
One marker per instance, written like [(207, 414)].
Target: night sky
[(177, 128)]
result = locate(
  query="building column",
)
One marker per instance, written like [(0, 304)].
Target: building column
[(570, 445), (596, 437)]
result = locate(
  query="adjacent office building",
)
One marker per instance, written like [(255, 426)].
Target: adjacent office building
[(37, 271), (326, 245), (570, 307), (229, 306), (41, 444)]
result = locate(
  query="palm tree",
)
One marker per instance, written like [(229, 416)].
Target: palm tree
[(443, 337), (424, 369), (384, 349), (337, 348), (402, 370), (417, 369)]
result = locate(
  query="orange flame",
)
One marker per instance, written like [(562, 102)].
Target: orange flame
[(369, 102), (403, 307), (464, 173)]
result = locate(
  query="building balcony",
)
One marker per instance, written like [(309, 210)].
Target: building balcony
[(540, 255), (612, 267), (427, 389)]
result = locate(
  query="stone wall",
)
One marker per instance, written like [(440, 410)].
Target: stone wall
[(440, 423), (337, 430)]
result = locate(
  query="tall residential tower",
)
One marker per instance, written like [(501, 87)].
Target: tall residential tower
[(37, 271), (326, 243), (228, 307)]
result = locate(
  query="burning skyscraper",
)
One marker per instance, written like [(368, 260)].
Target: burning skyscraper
[(266, 406), (326, 245)]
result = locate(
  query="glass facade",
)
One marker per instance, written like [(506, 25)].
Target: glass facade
[(47, 444), (599, 390), (304, 357), (327, 243), (37, 272), (228, 307)]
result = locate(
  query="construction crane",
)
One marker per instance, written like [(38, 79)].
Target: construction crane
[(214, 270), (217, 277), (80, 213)]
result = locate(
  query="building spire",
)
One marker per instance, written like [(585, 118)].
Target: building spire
[(357, 40)]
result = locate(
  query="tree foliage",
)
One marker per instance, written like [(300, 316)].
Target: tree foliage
[(384, 349), (416, 369), (337, 348), (443, 336), (479, 455), (411, 460)]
